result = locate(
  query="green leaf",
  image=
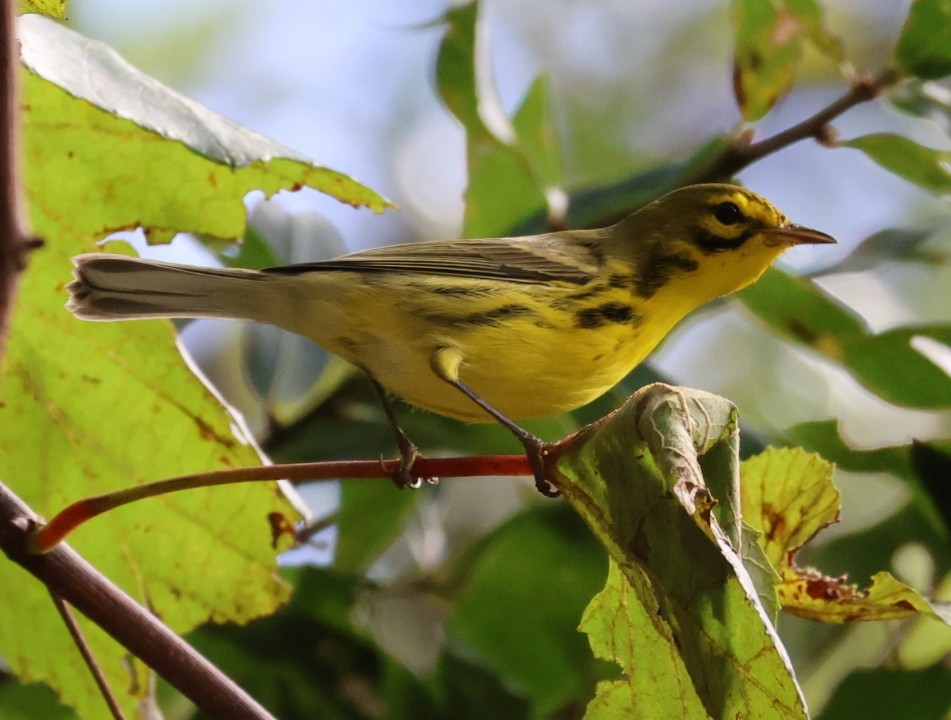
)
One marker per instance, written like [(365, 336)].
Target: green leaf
[(933, 467), (112, 408), (889, 245), (360, 542), (468, 691), (635, 478), (536, 135), (605, 204), (503, 610), (926, 99), (655, 684), (514, 165), (29, 702), (310, 660), (886, 363), (769, 43), (888, 693), (456, 67), (923, 166), (924, 48)]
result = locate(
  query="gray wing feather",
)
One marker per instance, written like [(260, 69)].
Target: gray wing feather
[(524, 261)]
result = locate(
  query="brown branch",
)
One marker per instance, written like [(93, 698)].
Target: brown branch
[(80, 641), (15, 242), (69, 576), (742, 153)]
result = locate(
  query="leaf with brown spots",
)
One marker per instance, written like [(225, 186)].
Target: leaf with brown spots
[(788, 496), (810, 594)]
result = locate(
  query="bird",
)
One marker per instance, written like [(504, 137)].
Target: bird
[(481, 329)]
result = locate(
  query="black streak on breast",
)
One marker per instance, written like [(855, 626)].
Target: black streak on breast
[(657, 271), (614, 312)]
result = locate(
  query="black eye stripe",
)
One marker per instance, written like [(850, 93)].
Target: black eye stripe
[(727, 213), (711, 243)]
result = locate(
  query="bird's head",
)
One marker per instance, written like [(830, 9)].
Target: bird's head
[(709, 240)]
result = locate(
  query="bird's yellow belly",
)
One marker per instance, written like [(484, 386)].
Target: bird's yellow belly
[(530, 381), (532, 361)]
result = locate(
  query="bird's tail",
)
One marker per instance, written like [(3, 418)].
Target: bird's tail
[(117, 287)]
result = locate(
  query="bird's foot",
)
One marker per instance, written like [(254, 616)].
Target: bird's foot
[(404, 477), (537, 451)]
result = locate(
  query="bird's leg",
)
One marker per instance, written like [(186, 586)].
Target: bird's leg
[(445, 362), (535, 447), (408, 451)]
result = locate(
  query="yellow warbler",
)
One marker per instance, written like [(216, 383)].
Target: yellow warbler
[(507, 328)]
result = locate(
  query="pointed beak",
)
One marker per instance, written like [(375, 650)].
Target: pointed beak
[(799, 235)]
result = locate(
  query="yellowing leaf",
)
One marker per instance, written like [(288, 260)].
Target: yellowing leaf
[(124, 151), (809, 594), (788, 496), (53, 8), (621, 629)]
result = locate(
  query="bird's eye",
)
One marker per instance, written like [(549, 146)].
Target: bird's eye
[(727, 213)]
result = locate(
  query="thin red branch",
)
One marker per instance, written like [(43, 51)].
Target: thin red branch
[(48, 536)]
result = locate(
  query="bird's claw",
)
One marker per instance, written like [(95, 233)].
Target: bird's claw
[(537, 450), (404, 476)]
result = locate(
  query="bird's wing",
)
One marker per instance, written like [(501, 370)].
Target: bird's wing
[(537, 260)]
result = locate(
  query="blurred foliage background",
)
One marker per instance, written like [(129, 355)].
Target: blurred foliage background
[(462, 600)]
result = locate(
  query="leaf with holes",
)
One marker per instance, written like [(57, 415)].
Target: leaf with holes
[(788, 496)]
